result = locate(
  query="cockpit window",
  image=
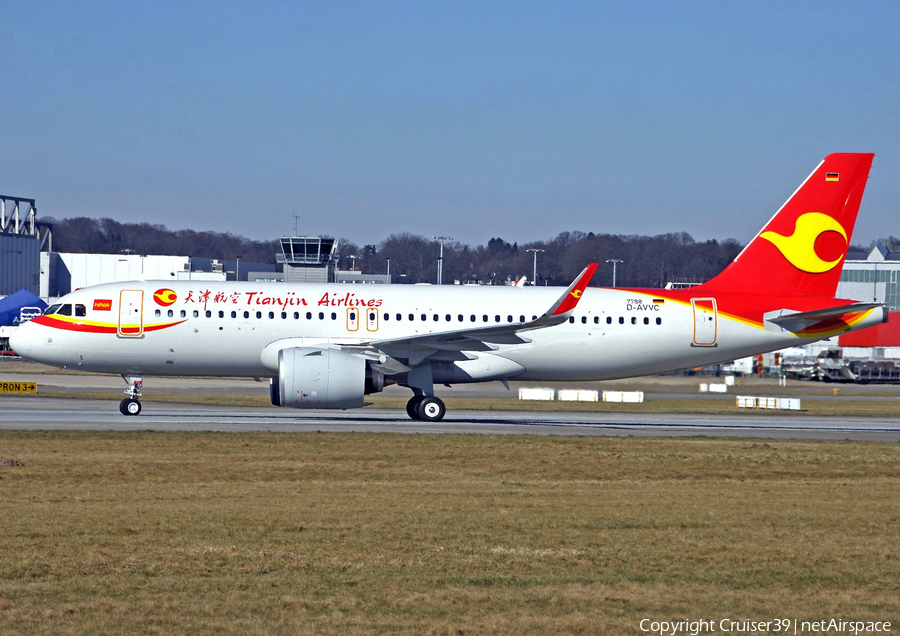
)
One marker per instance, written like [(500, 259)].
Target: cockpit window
[(66, 310)]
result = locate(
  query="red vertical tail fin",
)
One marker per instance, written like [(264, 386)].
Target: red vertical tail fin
[(801, 249)]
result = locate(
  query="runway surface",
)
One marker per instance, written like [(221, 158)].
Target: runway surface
[(39, 413)]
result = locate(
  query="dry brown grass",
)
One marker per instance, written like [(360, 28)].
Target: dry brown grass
[(359, 533)]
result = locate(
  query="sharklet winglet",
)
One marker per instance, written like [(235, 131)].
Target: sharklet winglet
[(569, 299)]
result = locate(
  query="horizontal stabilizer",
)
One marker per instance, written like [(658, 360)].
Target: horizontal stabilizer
[(783, 316), (826, 322)]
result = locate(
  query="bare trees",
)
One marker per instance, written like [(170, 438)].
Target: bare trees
[(647, 261)]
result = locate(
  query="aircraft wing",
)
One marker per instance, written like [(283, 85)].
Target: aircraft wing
[(452, 345)]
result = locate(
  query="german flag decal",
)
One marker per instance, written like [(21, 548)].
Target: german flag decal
[(164, 297), (832, 176)]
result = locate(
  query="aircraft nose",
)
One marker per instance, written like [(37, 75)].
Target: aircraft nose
[(21, 340)]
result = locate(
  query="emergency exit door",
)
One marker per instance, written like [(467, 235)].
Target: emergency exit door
[(705, 321), (131, 313)]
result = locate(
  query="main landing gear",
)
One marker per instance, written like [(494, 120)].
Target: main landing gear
[(132, 405), (426, 408)]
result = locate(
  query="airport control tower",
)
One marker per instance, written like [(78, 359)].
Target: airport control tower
[(308, 259)]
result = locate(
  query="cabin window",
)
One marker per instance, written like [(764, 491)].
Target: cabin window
[(333, 316), (221, 314), (412, 316), (609, 320), (157, 313), (460, 318), (399, 317), (571, 319), (521, 318), (596, 320), (208, 313), (633, 320), (424, 318), (182, 313), (435, 318), (284, 315), (646, 321), (484, 318), (196, 314), (472, 318), (170, 313), (659, 321), (448, 318), (234, 314), (309, 315), (509, 319), (584, 320), (497, 318), (321, 315), (296, 315), (271, 315), (621, 320), (387, 316), (80, 311), (258, 315)]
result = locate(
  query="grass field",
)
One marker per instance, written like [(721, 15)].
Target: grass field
[(421, 534)]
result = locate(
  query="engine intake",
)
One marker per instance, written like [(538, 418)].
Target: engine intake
[(319, 379)]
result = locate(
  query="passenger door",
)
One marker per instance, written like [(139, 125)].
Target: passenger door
[(705, 322), (131, 313)]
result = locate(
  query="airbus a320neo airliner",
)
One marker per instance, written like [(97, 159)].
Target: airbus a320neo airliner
[(328, 346)]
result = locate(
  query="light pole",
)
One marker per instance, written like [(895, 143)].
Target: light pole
[(352, 263), (614, 261), (535, 251), (237, 272), (441, 259), (389, 269)]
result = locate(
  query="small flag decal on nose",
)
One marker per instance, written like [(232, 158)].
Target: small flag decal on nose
[(832, 176)]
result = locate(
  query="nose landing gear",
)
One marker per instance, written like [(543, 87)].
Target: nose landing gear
[(132, 405)]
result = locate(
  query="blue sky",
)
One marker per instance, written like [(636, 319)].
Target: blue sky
[(474, 120)]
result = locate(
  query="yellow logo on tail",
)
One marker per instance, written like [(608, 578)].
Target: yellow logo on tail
[(800, 247), (576, 293)]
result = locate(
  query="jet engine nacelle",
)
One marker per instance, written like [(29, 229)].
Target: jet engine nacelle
[(319, 379)]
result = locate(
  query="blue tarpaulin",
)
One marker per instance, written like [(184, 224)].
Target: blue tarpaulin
[(21, 305)]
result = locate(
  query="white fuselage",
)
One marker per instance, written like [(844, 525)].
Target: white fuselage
[(229, 329)]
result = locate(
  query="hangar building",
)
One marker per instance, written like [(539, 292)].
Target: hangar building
[(21, 240)]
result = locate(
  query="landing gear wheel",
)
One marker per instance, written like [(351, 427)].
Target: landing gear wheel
[(412, 407), (130, 406), (431, 409)]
